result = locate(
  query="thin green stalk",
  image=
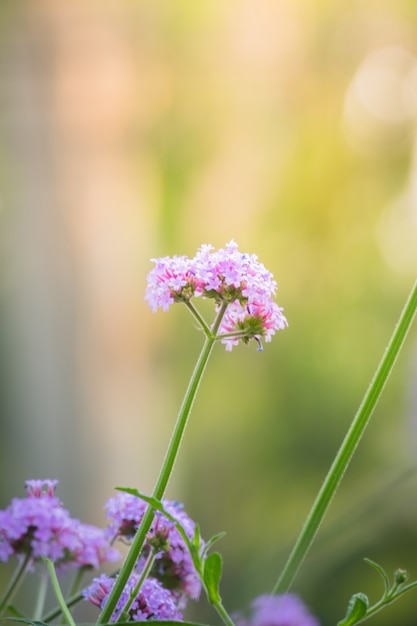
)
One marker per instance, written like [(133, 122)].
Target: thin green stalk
[(74, 597), (165, 472), (76, 583), (227, 620), (74, 589), (133, 594), (58, 592), (392, 597), (236, 333), (57, 611), (348, 446), (14, 583), (197, 315)]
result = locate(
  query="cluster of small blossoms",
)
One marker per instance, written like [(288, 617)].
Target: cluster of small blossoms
[(226, 276), (38, 527), (153, 602), (173, 565), (279, 610)]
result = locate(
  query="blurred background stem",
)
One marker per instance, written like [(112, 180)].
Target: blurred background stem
[(348, 446)]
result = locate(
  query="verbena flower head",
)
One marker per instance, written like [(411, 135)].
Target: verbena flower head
[(152, 602), (39, 526), (173, 565), (278, 610), (226, 276)]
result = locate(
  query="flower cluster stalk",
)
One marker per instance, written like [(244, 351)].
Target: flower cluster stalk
[(70, 601), (166, 470), (348, 446), (14, 583), (134, 593), (59, 596)]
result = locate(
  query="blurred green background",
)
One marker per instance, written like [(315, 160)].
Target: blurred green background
[(131, 130)]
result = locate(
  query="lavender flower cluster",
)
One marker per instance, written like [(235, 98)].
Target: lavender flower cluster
[(173, 567), (38, 526), (226, 276), (152, 602)]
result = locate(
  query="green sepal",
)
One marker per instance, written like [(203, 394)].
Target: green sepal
[(357, 608), (212, 574)]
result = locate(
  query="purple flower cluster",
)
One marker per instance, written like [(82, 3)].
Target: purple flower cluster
[(152, 602), (279, 610), (173, 565), (226, 276), (38, 526)]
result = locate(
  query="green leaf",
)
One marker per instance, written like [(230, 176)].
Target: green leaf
[(357, 608), (211, 541), (212, 575), (381, 572), (194, 546), (156, 504), (209, 569), (196, 540)]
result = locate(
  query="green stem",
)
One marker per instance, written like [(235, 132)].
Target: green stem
[(133, 594), (227, 620), (58, 592), (165, 472), (236, 333), (348, 446), (76, 583), (389, 599), (73, 598), (15, 582), (74, 589), (57, 611), (197, 315)]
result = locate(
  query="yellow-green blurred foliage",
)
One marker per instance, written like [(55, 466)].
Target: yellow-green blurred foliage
[(135, 129)]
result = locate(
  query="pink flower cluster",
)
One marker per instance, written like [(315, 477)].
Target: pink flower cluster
[(226, 276), (38, 526)]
